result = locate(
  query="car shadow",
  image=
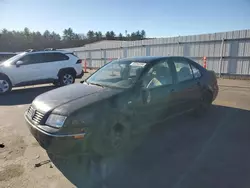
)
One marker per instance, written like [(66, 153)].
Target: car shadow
[(23, 95), (212, 151)]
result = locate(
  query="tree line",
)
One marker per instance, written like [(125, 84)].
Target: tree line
[(16, 41)]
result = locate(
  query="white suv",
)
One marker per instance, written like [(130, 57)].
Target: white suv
[(39, 67)]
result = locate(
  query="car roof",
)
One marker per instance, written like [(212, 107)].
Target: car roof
[(52, 51), (148, 59)]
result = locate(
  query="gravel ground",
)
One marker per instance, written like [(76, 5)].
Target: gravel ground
[(180, 153)]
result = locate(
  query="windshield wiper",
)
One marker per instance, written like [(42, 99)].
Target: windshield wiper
[(95, 84)]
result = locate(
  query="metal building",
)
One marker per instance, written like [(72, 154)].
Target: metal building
[(226, 52)]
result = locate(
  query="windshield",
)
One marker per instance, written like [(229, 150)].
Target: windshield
[(14, 58), (119, 74)]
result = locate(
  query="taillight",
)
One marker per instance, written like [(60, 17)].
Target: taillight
[(79, 61)]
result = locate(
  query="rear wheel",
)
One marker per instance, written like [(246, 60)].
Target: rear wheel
[(5, 85), (66, 78)]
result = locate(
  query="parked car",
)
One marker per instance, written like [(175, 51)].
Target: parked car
[(6, 55), (39, 67), (112, 109)]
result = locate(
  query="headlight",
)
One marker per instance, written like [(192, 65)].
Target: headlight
[(56, 120)]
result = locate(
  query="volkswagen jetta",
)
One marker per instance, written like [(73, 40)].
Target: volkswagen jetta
[(109, 111)]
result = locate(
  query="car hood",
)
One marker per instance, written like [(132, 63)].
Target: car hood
[(70, 95)]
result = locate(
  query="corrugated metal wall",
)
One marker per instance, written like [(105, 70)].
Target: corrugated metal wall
[(227, 52)]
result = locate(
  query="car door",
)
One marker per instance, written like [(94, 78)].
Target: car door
[(155, 99), (27, 72), (53, 62), (188, 90)]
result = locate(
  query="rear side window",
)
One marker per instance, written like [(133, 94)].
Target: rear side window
[(73, 54), (196, 72), (183, 70), (51, 57)]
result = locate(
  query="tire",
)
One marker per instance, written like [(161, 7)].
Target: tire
[(104, 139), (204, 105), (66, 78), (112, 136), (5, 85)]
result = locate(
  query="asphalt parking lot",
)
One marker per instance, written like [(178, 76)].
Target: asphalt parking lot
[(180, 153)]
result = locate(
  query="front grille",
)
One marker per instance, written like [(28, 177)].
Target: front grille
[(35, 115)]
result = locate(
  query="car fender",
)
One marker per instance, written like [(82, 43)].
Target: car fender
[(207, 89), (68, 69), (4, 75)]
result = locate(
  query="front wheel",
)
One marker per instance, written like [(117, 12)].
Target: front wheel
[(5, 85), (66, 78), (116, 135), (112, 141)]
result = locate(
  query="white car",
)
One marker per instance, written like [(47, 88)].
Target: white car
[(39, 67)]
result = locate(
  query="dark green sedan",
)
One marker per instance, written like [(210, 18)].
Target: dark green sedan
[(111, 111)]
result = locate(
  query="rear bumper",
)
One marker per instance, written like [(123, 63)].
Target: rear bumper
[(215, 91), (56, 143), (80, 75)]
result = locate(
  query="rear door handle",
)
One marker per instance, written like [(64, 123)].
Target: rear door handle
[(198, 83), (172, 90)]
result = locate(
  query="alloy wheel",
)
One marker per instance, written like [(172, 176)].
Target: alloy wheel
[(68, 79), (4, 86)]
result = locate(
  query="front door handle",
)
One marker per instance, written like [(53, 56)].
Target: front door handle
[(172, 90), (198, 83)]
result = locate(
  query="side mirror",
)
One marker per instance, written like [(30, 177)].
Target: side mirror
[(19, 63)]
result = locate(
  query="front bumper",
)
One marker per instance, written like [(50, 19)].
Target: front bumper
[(80, 75), (57, 143)]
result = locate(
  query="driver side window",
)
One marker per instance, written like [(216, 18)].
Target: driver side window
[(32, 59), (159, 75), (183, 70), (26, 59)]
